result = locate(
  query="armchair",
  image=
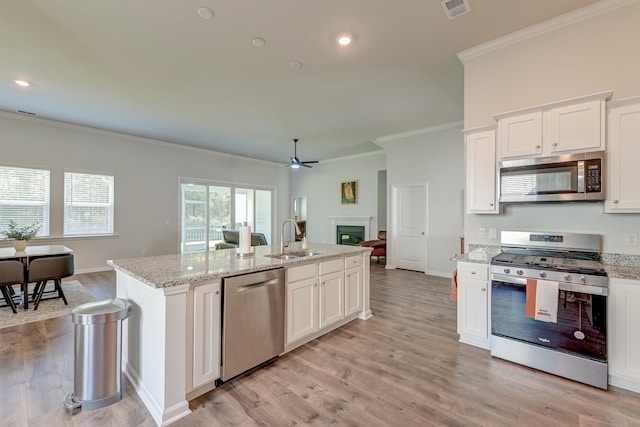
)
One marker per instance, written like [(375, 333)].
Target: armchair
[(379, 246)]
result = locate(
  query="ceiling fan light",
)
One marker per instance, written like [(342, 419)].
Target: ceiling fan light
[(295, 166)]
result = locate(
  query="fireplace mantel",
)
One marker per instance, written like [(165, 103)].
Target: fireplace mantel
[(364, 221)]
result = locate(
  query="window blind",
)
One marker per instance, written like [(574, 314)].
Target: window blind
[(88, 204), (24, 197)]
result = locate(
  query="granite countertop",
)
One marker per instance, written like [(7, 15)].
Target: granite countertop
[(623, 272), (172, 270)]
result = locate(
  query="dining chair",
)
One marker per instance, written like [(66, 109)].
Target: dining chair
[(55, 268), (11, 273)]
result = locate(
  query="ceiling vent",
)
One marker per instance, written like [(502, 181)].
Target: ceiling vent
[(26, 113), (455, 8)]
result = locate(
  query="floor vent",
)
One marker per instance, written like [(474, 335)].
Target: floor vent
[(455, 8), (26, 113)]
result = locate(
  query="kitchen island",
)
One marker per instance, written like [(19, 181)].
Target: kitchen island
[(171, 342)]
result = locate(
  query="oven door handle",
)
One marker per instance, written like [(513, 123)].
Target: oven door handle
[(563, 286), (509, 279)]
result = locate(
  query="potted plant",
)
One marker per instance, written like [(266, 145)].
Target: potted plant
[(21, 234)]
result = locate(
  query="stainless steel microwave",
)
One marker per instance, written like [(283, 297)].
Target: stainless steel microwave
[(565, 178)]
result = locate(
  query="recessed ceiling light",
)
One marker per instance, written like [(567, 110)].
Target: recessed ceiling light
[(295, 65), (205, 13), (345, 39), (258, 42), (22, 83)]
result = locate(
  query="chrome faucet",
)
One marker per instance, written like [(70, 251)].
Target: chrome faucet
[(282, 232)]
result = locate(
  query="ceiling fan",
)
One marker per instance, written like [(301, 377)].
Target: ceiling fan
[(295, 162)]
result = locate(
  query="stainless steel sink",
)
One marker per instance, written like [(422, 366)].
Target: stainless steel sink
[(292, 255)]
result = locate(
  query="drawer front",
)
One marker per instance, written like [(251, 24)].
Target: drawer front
[(353, 261), (472, 270), (302, 272), (331, 266)]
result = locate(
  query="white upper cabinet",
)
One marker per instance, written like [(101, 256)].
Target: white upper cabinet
[(481, 171), (571, 126), (577, 127), (623, 173), (521, 135)]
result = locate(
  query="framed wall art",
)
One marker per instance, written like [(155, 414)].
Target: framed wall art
[(349, 192)]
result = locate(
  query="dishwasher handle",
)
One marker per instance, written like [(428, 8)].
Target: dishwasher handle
[(249, 286)]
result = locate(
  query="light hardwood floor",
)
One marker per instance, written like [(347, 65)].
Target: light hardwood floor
[(402, 367)]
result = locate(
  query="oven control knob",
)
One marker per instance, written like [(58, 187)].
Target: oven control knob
[(583, 279), (519, 272), (567, 278), (543, 274), (507, 270)]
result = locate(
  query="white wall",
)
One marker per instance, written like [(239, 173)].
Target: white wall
[(321, 186), (435, 157), (590, 56), (147, 177)]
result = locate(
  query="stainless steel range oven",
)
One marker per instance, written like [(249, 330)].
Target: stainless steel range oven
[(548, 304)]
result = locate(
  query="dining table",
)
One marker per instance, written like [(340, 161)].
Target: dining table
[(24, 256)]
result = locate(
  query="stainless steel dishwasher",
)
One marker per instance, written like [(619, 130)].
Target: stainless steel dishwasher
[(252, 320)]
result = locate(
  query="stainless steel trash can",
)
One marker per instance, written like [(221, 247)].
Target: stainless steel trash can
[(97, 353)]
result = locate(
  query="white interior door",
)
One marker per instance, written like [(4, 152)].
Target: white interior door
[(410, 227)]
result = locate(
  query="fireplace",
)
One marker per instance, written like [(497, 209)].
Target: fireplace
[(349, 234), (363, 222)]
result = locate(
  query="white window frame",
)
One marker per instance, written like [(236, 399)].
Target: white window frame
[(26, 199), (70, 202)]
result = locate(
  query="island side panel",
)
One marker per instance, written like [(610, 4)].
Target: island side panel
[(154, 346), (366, 307)]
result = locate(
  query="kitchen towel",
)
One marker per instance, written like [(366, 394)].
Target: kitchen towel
[(547, 301), (454, 286), (530, 302), (244, 244)]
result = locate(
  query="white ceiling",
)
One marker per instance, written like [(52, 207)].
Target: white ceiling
[(154, 68)]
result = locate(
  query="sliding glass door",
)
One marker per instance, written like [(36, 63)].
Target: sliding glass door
[(208, 208)]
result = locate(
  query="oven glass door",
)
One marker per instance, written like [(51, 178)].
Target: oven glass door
[(580, 329)]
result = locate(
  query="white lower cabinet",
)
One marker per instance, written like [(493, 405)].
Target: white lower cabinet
[(474, 307), (623, 333), (302, 302), (322, 297), (206, 333), (331, 292), (353, 285)]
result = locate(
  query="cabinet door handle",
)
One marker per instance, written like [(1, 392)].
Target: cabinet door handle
[(491, 204), (217, 292), (473, 272), (555, 144), (483, 289), (537, 147), (616, 201)]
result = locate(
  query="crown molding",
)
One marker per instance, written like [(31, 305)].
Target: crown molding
[(573, 17), (417, 132)]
